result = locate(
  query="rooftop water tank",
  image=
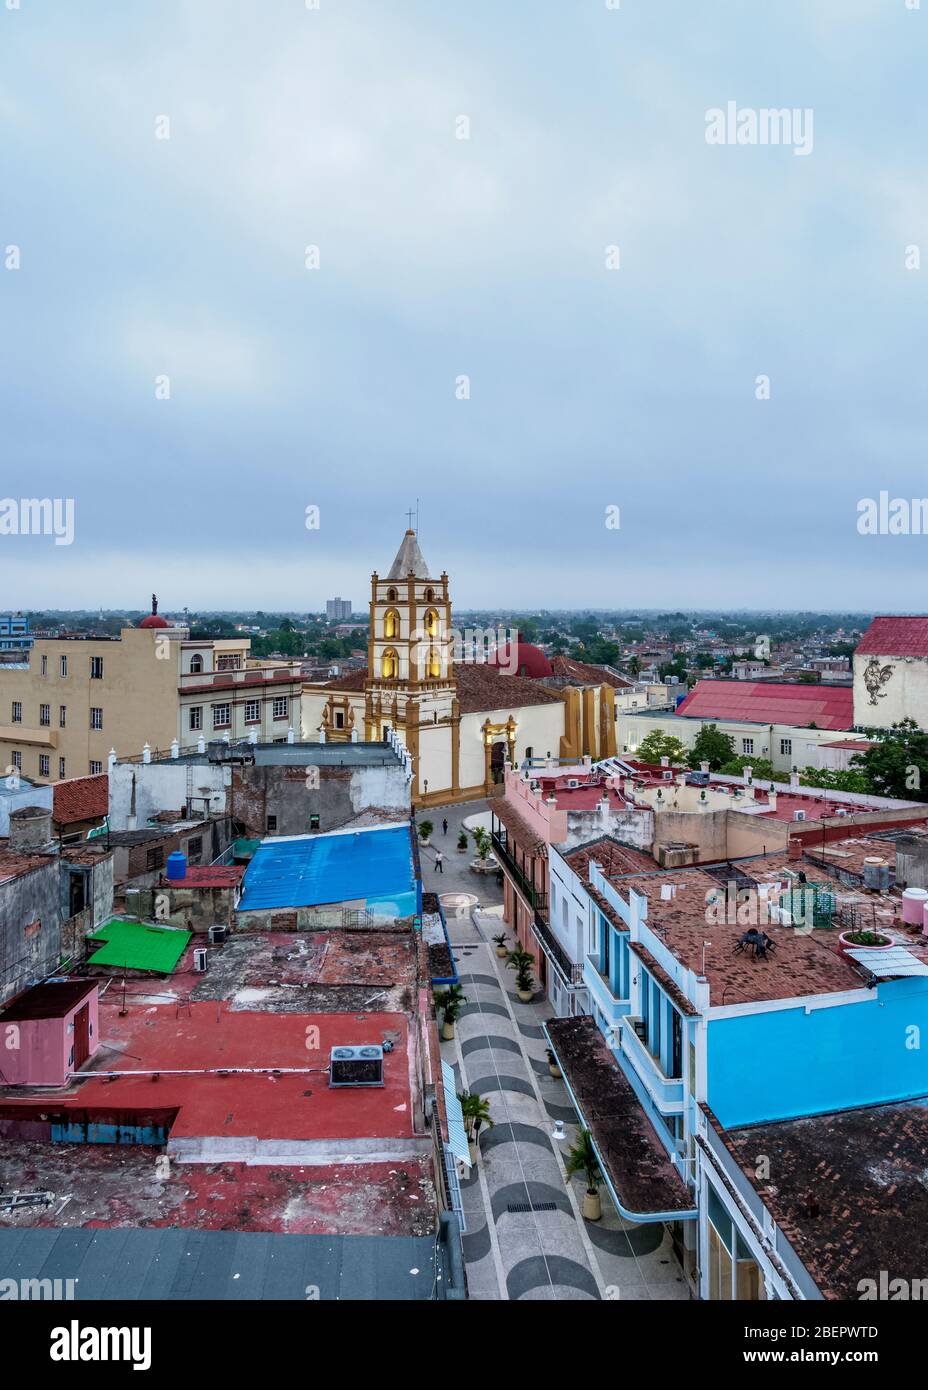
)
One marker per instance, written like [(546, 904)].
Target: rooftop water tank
[(177, 866), (913, 905)]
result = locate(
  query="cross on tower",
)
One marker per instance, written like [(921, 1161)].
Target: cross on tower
[(409, 516)]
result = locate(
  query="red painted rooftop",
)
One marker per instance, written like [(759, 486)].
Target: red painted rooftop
[(895, 637), (770, 702), (176, 1051)]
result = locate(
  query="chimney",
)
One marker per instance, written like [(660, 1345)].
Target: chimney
[(795, 848), (794, 780), (665, 762), (772, 799), (748, 775), (30, 829), (704, 767)]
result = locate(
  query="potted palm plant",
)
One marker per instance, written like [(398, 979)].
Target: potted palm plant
[(553, 1067), (462, 842), (451, 1001), (476, 1111), (522, 962), (502, 949), (425, 831), (582, 1159)]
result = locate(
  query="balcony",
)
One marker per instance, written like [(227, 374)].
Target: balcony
[(537, 898), (612, 1009), (571, 974), (665, 1091)]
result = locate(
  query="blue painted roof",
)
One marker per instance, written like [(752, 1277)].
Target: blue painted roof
[(374, 866)]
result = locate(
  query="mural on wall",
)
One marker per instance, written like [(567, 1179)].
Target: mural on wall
[(876, 676)]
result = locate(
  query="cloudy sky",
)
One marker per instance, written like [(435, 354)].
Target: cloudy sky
[(144, 258)]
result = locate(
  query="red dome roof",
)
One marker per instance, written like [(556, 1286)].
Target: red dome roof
[(154, 618), (529, 660)]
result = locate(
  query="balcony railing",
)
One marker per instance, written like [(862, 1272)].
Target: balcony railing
[(665, 1091), (600, 989), (537, 898), (570, 973)]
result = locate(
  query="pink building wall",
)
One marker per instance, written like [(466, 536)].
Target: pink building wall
[(37, 1051)]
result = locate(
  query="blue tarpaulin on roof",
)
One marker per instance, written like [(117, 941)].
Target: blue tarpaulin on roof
[(370, 866)]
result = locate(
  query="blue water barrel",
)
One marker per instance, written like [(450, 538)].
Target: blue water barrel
[(177, 865)]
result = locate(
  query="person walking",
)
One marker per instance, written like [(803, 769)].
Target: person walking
[(439, 862), (444, 825)]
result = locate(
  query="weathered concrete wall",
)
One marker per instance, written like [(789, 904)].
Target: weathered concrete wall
[(14, 799), (283, 800), (165, 786), (30, 934), (254, 792)]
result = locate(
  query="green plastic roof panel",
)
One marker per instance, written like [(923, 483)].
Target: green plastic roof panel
[(139, 946)]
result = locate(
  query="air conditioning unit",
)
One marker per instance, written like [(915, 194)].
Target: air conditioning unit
[(573, 782), (841, 811), (356, 1066), (799, 815), (200, 960), (217, 935)]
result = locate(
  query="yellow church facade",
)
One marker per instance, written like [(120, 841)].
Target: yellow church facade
[(460, 720)]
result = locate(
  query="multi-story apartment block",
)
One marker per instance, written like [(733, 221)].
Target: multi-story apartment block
[(81, 697)]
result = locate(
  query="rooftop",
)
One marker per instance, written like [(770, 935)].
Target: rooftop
[(191, 1265), (80, 799), (236, 1075), (893, 636), (53, 999), (637, 1164), (771, 702), (113, 1187), (848, 1192), (370, 867)]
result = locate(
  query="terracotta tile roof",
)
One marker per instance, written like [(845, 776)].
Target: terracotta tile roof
[(614, 859), (81, 798), (771, 702), (635, 1160), (528, 839), (848, 1190), (480, 687), (801, 964), (895, 637), (586, 674)]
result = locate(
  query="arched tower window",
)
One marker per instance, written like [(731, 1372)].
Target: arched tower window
[(431, 623), (434, 665), (391, 623), (429, 595), (389, 665), (391, 596), (196, 664)]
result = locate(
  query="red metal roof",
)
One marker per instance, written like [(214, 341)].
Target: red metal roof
[(209, 876), (81, 798), (770, 702), (895, 637)]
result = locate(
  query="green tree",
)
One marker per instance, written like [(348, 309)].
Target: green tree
[(659, 745), (712, 747), (897, 763), (836, 779)]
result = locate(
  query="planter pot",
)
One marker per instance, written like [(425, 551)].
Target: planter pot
[(447, 1031), (592, 1208), (847, 945), (473, 1150), (502, 952), (425, 843), (462, 849), (525, 995), (555, 1071)]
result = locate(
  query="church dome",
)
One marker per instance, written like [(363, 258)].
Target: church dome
[(529, 660), (154, 618)]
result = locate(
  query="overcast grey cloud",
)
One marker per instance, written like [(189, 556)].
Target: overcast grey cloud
[(336, 128)]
